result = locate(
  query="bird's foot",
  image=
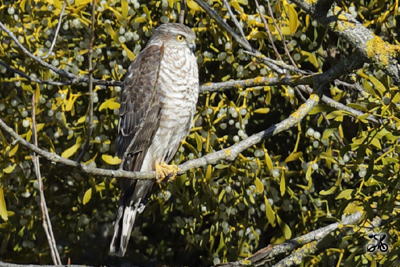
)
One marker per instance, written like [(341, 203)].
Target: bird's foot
[(164, 170)]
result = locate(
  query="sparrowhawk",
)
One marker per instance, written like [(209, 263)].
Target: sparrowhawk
[(158, 102)]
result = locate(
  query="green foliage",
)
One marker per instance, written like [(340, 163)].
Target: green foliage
[(332, 164)]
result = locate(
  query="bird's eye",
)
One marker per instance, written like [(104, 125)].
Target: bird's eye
[(180, 38)]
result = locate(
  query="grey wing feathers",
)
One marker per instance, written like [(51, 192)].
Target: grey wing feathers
[(140, 108), (139, 121)]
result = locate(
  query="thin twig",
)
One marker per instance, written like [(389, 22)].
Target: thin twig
[(57, 30), (237, 37), (90, 123), (280, 34), (228, 7), (271, 39), (182, 14), (74, 79), (32, 79), (45, 214), (279, 64)]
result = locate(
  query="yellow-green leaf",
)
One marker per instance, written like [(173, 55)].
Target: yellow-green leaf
[(269, 212), (311, 58), (111, 160), (259, 186), (117, 14), (27, 87), (70, 151), (293, 18), (328, 192), (140, 19), (110, 104), (193, 6), (125, 8), (321, 108), (345, 194), (262, 110), (3, 208), (284, 227), (87, 196), (293, 156), (375, 142), (130, 54), (282, 184), (13, 151), (209, 172), (10, 168), (378, 85), (268, 161), (369, 88)]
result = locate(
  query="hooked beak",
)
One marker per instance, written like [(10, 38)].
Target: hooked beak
[(192, 46)]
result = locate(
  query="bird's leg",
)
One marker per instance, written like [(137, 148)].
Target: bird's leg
[(163, 170)]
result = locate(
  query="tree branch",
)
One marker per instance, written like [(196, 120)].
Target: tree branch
[(237, 37), (228, 7), (370, 47), (57, 30), (90, 123), (271, 39), (32, 79), (261, 257), (226, 154), (182, 14), (74, 79), (45, 213)]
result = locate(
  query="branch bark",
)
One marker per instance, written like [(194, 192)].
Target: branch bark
[(370, 47), (90, 123), (45, 213), (228, 154)]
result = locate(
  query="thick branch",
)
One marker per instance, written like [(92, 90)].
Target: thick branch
[(370, 47), (226, 154), (260, 257)]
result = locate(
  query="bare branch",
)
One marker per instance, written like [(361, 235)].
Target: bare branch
[(258, 81), (57, 30), (182, 14), (228, 7), (226, 154), (271, 39), (45, 213), (370, 47), (74, 79), (280, 34), (279, 64), (237, 37), (32, 79), (90, 123), (263, 255)]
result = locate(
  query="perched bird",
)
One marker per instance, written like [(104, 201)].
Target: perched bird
[(158, 102)]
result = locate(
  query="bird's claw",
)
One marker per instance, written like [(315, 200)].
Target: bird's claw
[(164, 170)]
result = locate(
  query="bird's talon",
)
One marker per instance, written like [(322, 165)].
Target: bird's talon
[(164, 170)]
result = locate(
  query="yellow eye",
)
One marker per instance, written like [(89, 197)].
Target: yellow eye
[(180, 38)]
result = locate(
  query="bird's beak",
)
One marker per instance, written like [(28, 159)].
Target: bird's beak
[(192, 46)]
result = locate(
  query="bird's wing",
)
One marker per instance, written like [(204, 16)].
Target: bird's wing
[(139, 119), (139, 114)]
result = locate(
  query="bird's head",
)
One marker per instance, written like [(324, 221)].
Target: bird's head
[(175, 34)]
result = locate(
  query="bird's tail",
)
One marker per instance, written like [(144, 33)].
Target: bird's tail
[(123, 228)]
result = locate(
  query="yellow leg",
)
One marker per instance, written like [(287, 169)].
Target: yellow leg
[(163, 170)]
